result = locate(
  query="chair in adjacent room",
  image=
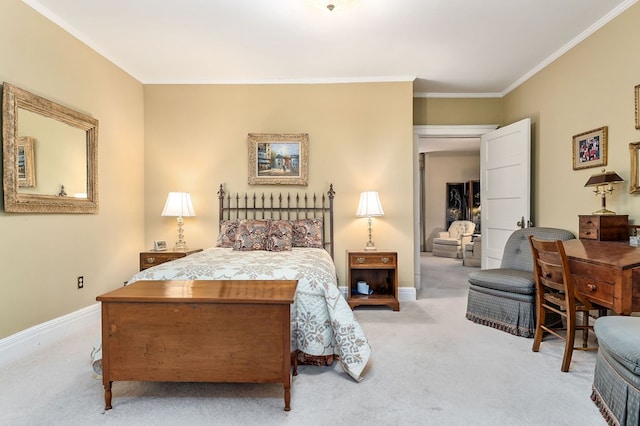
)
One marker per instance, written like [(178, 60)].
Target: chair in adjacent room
[(472, 252), (504, 297), (451, 242), (555, 293)]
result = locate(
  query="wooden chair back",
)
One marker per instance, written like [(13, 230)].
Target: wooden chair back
[(555, 294)]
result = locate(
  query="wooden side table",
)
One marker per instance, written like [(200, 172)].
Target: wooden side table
[(379, 269), (152, 258)]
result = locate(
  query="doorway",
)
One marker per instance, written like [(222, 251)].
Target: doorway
[(436, 140)]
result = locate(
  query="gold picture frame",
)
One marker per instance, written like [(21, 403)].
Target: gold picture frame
[(26, 162), (637, 103), (590, 149), (634, 153), (278, 158)]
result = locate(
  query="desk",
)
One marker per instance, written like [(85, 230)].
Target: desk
[(198, 331), (607, 272)]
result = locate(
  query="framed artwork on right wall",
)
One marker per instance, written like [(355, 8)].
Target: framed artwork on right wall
[(590, 149), (637, 97), (634, 151)]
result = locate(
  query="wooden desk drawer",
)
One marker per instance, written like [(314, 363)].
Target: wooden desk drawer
[(597, 282), (588, 233), (373, 260)]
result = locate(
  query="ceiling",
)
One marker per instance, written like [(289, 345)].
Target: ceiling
[(447, 47)]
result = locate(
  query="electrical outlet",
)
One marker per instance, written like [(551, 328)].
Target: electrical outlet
[(80, 281)]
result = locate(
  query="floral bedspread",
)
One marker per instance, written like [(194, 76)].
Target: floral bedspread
[(321, 321)]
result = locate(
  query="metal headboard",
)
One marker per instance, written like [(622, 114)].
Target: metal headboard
[(282, 207)]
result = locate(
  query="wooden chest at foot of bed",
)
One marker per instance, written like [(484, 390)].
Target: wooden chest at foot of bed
[(198, 331)]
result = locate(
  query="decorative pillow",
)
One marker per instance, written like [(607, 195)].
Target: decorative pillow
[(280, 235), (228, 231), (307, 232), (252, 235)]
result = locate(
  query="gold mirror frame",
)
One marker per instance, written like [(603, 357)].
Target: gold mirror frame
[(634, 151), (14, 98)]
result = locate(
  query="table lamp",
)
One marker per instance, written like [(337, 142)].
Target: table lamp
[(603, 185), (368, 207), (179, 205)]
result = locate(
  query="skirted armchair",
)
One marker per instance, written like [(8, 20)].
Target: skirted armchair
[(504, 298), (472, 252), (616, 380), (450, 243)]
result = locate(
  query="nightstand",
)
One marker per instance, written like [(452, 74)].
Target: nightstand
[(379, 269), (152, 258)]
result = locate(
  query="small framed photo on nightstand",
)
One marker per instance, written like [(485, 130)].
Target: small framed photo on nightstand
[(160, 245)]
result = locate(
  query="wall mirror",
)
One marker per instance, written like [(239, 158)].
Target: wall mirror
[(49, 155)]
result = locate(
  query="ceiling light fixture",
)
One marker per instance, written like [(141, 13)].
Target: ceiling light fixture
[(331, 7)]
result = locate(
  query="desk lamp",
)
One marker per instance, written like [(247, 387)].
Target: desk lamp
[(603, 185)]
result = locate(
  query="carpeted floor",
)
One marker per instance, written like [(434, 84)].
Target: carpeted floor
[(430, 366)]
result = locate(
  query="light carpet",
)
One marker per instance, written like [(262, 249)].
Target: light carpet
[(429, 366)]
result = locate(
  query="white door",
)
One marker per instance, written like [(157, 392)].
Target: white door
[(505, 180)]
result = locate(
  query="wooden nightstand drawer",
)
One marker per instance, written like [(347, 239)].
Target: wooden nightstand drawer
[(372, 260), (153, 258)]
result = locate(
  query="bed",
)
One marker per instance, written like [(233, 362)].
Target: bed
[(281, 237)]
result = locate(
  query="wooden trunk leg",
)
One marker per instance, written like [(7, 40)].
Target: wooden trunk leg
[(287, 398), (107, 396)]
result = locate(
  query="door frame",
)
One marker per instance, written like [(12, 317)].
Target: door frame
[(426, 131)]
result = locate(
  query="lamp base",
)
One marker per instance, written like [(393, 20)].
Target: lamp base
[(370, 246), (180, 246), (603, 212)]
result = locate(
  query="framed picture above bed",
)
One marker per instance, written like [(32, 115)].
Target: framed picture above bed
[(278, 158)]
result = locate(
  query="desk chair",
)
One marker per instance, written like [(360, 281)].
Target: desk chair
[(555, 293)]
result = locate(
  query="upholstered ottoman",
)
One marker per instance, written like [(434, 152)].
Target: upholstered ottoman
[(616, 381)]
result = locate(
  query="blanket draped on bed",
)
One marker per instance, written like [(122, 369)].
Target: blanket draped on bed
[(321, 321)]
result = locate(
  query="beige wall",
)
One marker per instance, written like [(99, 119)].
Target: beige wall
[(43, 254), (589, 87), (457, 111), (360, 138)]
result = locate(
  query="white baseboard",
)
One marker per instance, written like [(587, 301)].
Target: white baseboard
[(29, 340), (405, 294)]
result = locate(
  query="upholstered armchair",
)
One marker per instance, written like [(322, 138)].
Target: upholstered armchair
[(504, 297), (450, 243), (472, 252)]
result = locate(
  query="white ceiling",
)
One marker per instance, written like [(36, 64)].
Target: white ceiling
[(450, 47)]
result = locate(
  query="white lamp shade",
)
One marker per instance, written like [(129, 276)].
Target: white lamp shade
[(369, 205), (178, 204)]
